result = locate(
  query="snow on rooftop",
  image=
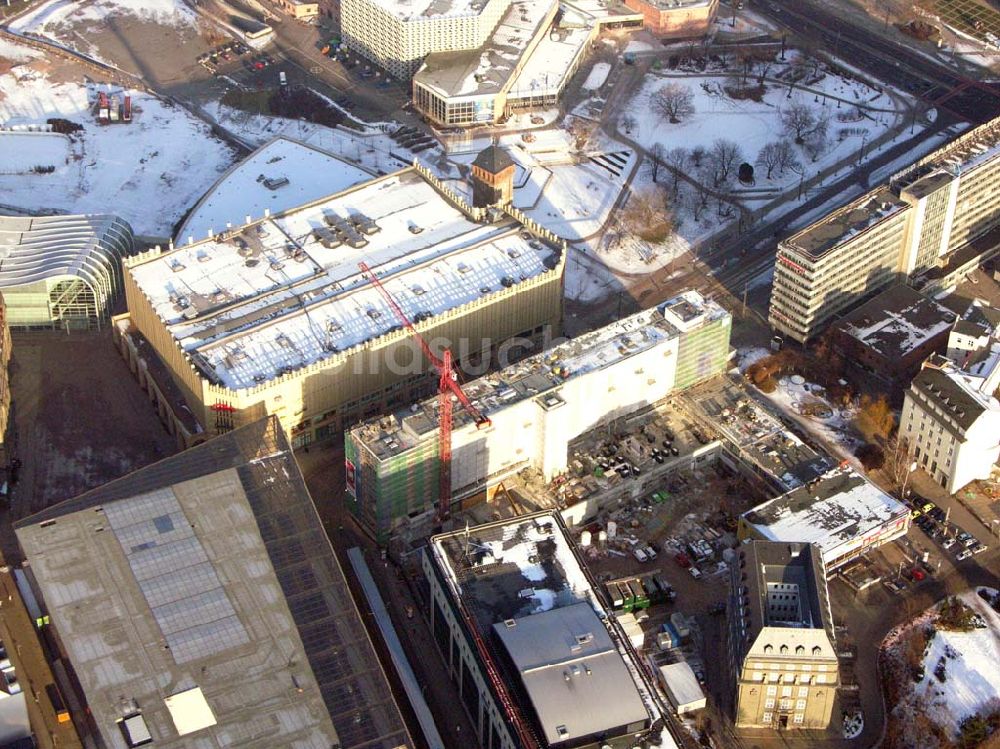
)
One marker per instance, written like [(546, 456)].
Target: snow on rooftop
[(408, 10), (538, 374), (256, 184), (543, 73), (274, 299), (839, 506)]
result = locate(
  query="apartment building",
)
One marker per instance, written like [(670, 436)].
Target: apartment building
[(920, 228), (951, 415), (398, 34), (781, 640)]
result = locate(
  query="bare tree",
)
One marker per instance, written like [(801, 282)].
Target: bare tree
[(646, 216), (726, 154), (676, 158), (787, 160), (798, 120), (673, 102), (629, 123), (768, 157), (816, 140), (697, 154), (699, 201), (656, 156), (581, 131)]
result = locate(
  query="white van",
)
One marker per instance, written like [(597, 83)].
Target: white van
[(639, 554)]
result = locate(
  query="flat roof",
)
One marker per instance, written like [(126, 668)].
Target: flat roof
[(838, 506), (281, 174), (487, 69), (847, 222), (965, 153), (201, 593), (897, 322), (272, 298), (574, 676), (417, 10), (534, 377)]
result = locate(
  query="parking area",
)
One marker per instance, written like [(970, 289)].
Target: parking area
[(80, 420)]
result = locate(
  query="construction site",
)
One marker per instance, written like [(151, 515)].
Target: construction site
[(307, 314), (397, 464)]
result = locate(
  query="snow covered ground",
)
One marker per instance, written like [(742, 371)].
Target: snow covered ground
[(795, 396), (55, 18), (376, 152), (753, 124), (16, 52), (149, 172), (972, 676), (311, 174), (22, 152)]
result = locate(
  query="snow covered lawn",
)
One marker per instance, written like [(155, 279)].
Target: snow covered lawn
[(22, 152), (753, 124), (972, 675), (149, 171)]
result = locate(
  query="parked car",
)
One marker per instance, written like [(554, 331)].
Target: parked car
[(916, 575), (695, 572), (963, 555), (938, 514), (650, 552), (965, 539), (949, 542), (979, 548), (639, 554)]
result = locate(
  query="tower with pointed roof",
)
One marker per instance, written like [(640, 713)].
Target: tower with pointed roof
[(492, 177)]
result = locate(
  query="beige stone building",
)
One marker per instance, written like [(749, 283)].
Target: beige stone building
[(276, 317), (781, 640)]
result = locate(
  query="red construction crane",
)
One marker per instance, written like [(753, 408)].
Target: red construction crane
[(447, 387)]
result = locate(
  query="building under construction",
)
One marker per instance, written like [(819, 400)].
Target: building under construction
[(535, 408), (538, 660), (277, 316)]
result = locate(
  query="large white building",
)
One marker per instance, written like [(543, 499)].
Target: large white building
[(951, 415), (398, 34), (546, 400)]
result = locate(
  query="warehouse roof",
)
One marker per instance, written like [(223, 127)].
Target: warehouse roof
[(574, 677), (537, 375), (286, 292), (897, 322), (682, 686), (836, 507), (281, 174), (201, 595)]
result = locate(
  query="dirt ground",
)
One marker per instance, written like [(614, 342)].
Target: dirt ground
[(80, 419)]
